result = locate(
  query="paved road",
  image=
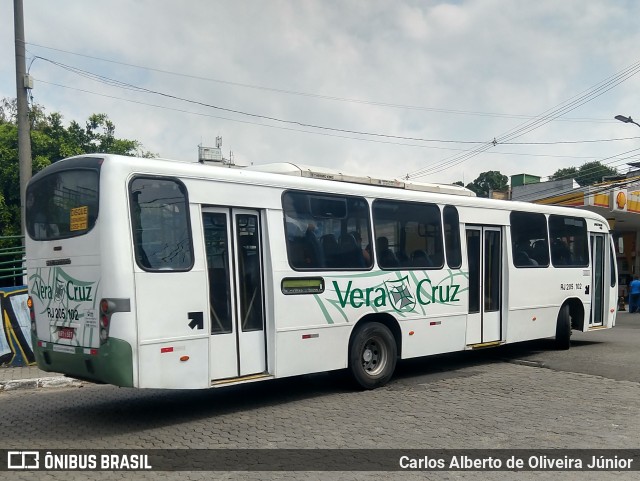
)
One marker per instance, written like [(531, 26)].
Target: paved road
[(524, 396)]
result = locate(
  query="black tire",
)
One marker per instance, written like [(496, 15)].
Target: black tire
[(563, 329), (372, 355)]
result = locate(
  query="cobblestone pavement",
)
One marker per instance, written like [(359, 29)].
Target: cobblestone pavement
[(484, 404)]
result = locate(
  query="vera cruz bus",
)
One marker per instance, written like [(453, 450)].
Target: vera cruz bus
[(161, 274)]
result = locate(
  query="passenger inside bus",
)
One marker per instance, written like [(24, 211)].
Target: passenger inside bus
[(521, 255), (386, 257)]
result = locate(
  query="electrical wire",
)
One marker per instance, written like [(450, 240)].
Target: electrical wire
[(403, 144), (586, 173), (131, 87), (313, 95), (113, 82), (544, 118)]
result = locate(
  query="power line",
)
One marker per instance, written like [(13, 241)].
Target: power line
[(120, 84), (589, 171), (402, 144), (544, 118), (117, 83), (131, 87), (604, 189), (313, 95)]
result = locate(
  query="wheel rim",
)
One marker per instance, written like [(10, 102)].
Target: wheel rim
[(374, 356)]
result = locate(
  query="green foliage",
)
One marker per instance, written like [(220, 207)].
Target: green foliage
[(50, 142), (587, 174), (566, 173), (486, 181)]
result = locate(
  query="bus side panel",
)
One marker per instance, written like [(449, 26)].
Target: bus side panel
[(535, 298), (167, 304), (116, 247), (304, 351), (536, 295), (162, 364), (173, 329), (528, 324), (433, 335)]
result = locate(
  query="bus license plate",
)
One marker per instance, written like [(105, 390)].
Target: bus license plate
[(66, 333)]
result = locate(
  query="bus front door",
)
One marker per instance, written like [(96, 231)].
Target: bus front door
[(236, 304), (484, 253), (598, 304)]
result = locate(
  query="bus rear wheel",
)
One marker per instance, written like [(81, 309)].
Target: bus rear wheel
[(372, 355), (563, 329)]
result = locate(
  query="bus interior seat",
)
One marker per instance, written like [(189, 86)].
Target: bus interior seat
[(521, 258), (314, 252), (540, 252), (350, 252), (331, 251), (420, 258)]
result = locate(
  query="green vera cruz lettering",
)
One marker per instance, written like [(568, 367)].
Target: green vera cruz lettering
[(358, 297), (436, 294), (42, 291), (455, 287), (342, 300), (426, 293), (381, 298), (78, 293), (421, 300)]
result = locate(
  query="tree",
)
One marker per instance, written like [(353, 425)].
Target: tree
[(459, 182), (50, 142), (587, 174), (486, 181), (566, 173)]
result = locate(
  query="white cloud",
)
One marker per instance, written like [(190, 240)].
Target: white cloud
[(484, 56)]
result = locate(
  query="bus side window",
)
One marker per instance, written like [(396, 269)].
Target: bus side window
[(160, 224), (318, 231), (408, 235), (529, 239), (570, 242), (452, 236)]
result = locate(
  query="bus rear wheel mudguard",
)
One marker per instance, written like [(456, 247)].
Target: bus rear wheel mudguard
[(563, 329)]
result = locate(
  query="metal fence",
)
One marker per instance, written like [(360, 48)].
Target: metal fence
[(12, 261)]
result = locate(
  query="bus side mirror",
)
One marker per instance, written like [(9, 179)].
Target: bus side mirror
[(620, 245)]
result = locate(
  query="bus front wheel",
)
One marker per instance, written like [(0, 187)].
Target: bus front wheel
[(372, 356), (563, 329)]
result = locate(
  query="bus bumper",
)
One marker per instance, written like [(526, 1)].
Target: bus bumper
[(112, 363)]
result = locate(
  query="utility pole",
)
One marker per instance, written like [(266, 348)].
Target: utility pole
[(22, 85)]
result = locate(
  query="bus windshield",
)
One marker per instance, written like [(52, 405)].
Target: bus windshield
[(62, 204)]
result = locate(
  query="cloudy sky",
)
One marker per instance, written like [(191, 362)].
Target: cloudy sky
[(387, 88)]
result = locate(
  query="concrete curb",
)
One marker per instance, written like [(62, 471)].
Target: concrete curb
[(43, 382)]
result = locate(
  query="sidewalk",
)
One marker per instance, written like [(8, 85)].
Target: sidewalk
[(30, 377)]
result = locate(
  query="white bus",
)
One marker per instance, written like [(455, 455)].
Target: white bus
[(160, 274)]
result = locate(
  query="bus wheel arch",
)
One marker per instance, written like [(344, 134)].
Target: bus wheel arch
[(570, 316), (374, 346)]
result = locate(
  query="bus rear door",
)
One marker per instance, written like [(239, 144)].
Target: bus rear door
[(236, 295), (484, 251)]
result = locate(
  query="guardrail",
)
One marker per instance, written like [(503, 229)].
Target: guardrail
[(12, 262)]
